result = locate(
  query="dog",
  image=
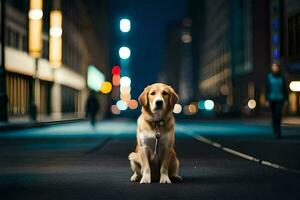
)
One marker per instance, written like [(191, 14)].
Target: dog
[(154, 158)]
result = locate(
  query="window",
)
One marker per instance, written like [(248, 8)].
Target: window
[(294, 36)]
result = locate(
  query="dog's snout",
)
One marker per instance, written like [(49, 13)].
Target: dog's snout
[(159, 103)]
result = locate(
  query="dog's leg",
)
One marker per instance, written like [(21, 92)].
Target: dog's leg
[(135, 163), (164, 169), (145, 156), (173, 169)]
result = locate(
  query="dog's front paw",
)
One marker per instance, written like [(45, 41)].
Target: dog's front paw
[(176, 179), (135, 178), (164, 179), (145, 179)]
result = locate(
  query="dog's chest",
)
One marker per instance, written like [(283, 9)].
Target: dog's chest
[(148, 139)]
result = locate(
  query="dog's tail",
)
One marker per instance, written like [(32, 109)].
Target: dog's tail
[(133, 156)]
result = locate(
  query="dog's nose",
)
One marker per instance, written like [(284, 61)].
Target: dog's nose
[(159, 103)]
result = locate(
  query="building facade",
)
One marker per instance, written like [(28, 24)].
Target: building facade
[(233, 50), (61, 92)]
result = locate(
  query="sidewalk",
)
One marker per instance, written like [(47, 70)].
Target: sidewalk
[(25, 122)]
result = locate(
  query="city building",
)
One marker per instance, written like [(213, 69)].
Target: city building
[(177, 69), (61, 92), (233, 50)]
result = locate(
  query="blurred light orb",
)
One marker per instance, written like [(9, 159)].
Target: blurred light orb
[(251, 104), (224, 89), (133, 104), (106, 87), (124, 53), (177, 108), (125, 90), (125, 25), (295, 86), (116, 70), (209, 104), (122, 105), (115, 110), (55, 31), (192, 108), (201, 105), (186, 110), (125, 81), (95, 78), (186, 38), (116, 80), (125, 97), (35, 14)]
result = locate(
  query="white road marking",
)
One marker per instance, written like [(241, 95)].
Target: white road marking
[(243, 155)]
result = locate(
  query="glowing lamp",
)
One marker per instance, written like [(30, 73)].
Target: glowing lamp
[(133, 104), (209, 104), (116, 70), (124, 53), (122, 105), (177, 108), (295, 86), (125, 25), (125, 81), (106, 87), (35, 27), (251, 104), (55, 41), (116, 80)]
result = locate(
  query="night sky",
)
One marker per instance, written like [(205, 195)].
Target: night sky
[(149, 21)]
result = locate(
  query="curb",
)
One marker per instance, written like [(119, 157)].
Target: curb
[(18, 126)]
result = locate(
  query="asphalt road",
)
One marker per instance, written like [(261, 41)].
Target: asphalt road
[(73, 161)]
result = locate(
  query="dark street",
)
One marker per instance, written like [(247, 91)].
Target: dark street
[(73, 161)]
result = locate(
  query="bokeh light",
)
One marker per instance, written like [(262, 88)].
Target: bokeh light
[(251, 104), (122, 105), (133, 104), (106, 87), (116, 70), (177, 108), (125, 25), (124, 53), (125, 81), (115, 110), (209, 104), (116, 80), (192, 108)]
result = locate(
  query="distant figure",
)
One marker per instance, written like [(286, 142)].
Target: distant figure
[(92, 108), (276, 95)]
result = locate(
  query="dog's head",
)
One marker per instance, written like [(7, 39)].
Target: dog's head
[(158, 99)]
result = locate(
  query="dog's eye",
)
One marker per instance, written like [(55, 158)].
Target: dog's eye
[(152, 93), (164, 93)]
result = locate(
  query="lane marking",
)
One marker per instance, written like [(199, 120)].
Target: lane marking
[(243, 155)]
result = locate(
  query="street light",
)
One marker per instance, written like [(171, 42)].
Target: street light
[(35, 15), (35, 45), (124, 53), (55, 41), (125, 25)]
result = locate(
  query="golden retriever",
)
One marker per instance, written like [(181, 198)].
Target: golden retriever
[(155, 158)]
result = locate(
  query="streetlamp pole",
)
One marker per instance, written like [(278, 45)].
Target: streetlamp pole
[(3, 95)]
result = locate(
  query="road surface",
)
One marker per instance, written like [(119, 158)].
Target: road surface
[(74, 161)]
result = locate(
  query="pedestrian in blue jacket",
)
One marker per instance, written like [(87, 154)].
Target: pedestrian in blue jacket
[(276, 94)]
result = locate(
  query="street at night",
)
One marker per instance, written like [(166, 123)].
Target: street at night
[(75, 161), (149, 99)]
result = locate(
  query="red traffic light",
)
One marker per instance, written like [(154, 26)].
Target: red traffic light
[(116, 70)]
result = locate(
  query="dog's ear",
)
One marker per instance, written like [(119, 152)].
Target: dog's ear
[(173, 97), (143, 98)]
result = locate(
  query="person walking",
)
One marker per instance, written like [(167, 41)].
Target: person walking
[(92, 108), (276, 94)]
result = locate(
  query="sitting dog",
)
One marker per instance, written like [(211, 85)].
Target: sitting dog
[(155, 158)]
